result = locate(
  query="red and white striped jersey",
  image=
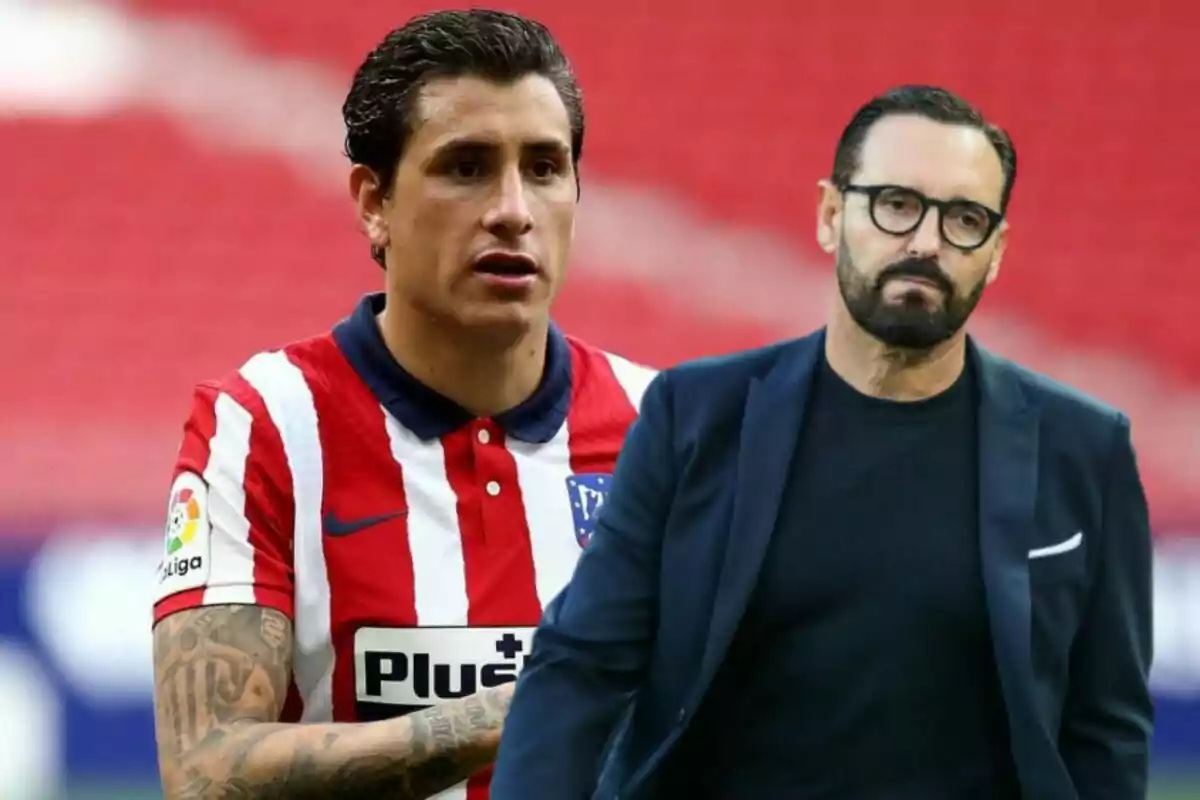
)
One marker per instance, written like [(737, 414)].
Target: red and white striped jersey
[(412, 545)]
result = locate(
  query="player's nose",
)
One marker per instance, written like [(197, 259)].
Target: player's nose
[(508, 215), (926, 240)]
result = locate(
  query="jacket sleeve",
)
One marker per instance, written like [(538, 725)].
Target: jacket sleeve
[(595, 639), (1108, 717)]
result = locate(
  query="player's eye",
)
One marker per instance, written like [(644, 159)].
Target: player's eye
[(970, 218), (899, 201), (466, 169), (545, 169)]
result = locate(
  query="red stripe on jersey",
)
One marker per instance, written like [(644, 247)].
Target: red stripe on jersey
[(270, 507), (369, 569), (198, 431), (600, 413), (192, 598), (497, 553)]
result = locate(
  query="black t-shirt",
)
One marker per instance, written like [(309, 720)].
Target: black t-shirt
[(864, 666)]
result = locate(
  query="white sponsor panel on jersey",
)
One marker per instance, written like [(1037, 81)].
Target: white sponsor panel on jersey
[(423, 666), (187, 556)]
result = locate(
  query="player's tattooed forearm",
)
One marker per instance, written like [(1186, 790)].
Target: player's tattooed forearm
[(440, 747), (222, 677), (442, 740)]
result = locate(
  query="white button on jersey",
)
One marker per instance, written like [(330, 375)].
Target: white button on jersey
[(493, 488), (484, 436)]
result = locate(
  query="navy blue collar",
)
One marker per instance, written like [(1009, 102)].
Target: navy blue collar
[(431, 415)]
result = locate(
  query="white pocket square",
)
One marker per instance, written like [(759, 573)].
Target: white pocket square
[(1057, 549)]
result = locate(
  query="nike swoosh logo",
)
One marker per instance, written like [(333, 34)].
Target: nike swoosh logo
[(337, 527)]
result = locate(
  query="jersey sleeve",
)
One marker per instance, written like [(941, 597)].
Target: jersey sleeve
[(228, 537)]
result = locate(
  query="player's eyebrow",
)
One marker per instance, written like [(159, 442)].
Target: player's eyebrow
[(471, 145), (549, 147), (462, 146), (957, 195)]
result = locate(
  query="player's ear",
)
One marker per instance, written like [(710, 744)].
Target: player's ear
[(368, 203), (998, 252), (829, 215)]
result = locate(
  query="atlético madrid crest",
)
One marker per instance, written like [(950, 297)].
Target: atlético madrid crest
[(587, 492)]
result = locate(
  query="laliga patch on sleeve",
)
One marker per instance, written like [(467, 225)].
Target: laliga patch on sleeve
[(187, 543)]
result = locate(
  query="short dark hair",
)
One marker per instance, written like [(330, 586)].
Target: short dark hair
[(931, 102), (501, 47)]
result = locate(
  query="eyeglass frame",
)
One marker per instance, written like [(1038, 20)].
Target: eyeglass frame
[(873, 191)]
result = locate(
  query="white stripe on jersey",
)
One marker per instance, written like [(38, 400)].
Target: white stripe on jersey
[(289, 401), (634, 378), (231, 576), (434, 538), (542, 471), (439, 570)]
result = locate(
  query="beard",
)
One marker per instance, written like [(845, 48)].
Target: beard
[(911, 322)]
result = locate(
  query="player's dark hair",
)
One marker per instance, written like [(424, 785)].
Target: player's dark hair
[(494, 45), (931, 102)]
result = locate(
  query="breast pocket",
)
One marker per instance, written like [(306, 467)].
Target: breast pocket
[(1058, 588), (1060, 560)]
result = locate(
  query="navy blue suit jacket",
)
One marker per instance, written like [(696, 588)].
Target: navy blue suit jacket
[(630, 646)]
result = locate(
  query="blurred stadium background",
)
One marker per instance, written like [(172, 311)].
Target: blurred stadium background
[(172, 199)]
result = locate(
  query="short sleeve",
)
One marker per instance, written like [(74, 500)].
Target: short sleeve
[(228, 533)]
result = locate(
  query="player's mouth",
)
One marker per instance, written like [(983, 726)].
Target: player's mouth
[(911, 282), (916, 280), (504, 269)]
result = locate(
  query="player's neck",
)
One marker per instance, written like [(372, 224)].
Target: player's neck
[(481, 375), (876, 369)]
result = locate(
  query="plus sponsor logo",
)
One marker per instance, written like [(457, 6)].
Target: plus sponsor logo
[(399, 670)]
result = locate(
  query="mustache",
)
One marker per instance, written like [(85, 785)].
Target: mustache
[(916, 268)]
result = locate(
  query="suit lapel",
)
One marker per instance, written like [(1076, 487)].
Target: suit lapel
[(1008, 483), (770, 433)]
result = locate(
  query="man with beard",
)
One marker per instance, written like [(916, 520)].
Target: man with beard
[(876, 562)]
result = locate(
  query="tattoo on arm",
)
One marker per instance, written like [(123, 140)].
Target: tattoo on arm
[(219, 666), (222, 675)]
